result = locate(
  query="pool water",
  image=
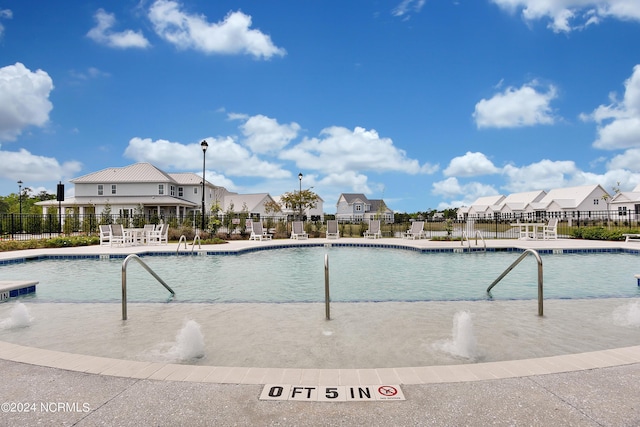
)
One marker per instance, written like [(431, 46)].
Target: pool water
[(357, 274), (390, 307)]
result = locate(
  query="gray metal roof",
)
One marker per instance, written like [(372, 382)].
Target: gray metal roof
[(139, 172)]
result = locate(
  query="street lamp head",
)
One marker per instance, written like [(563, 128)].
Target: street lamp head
[(300, 176), (204, 145), (20, 182)]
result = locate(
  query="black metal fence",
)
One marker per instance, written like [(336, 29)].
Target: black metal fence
[(29, 226)]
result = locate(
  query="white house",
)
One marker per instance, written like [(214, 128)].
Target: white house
[(253, 204), (627, 203), (560, 202), (566, 202), (313, 214), (139, 188), (356, 207)]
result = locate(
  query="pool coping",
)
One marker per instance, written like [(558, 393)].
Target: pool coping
[(299, 376)]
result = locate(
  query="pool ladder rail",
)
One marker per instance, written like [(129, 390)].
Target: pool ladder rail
[(124, 281), (540, 279), (477, 233), (183, 238)]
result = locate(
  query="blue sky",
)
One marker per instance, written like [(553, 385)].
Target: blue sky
[(428, 104)]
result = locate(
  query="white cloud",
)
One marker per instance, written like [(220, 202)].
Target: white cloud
[(619, 122), (265, 135), (451, 188), (471, 164), (102, 33), (516, 108), (339, 150), (569, 15), (29, 167), (407, 6), (223, 154), (543, 175), (4, 14), (630, 159), (231, 36), (24, 100), (348, 181)]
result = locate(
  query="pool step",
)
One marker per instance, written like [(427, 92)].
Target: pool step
[(14, 288)]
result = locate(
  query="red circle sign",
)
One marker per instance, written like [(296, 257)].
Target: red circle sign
[(387, 390)]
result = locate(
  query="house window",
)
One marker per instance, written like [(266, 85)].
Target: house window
[(160, 189), (172, 190), (114, 189), (358, 208), (595, 201), (180, 191), (100, 190), (195, 190), (622, 210)]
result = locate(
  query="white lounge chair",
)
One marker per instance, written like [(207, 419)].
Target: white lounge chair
[(159, 235), (332, 229), (416, 231), (550, 231), (105, 235), (258, 232), (297, 231), (374, 230)]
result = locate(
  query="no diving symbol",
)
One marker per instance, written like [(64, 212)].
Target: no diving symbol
[(387, 391)]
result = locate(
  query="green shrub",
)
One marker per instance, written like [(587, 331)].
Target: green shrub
[(599, 233)]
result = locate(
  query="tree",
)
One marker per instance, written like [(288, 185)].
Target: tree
[(299, 201)]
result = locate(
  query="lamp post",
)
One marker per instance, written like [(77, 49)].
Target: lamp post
[(20, 201), (204, 146), (300, 196)]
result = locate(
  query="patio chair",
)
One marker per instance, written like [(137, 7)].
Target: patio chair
[(416, 231), (105, 235), (118, 235), (332, 229), (159, 235), (148, 228), (258, 232), (374, 230), (297, 231), (550, 231)]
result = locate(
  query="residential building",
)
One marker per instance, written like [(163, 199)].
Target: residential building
[(627, 203), (311, 214), (357, 207), (559, 203), (140, 188)]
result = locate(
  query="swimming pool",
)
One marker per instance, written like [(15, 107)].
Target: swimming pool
[(247, 318), (357, 274)]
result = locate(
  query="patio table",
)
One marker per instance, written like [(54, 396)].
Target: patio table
[(529, 230)]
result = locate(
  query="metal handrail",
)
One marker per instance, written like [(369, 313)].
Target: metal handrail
[(193, 245), (540, 279), (327, 308), (124, 281), (183, 238), (478, 233)]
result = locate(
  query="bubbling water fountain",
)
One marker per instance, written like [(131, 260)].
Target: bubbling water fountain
[(627, 315), (19, 317), (463, 343), (188, 345), (189, 342)]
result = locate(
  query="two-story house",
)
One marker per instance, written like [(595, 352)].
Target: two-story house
[(356, 207), (124, 191)]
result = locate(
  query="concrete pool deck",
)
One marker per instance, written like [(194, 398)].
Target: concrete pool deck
[(596, 388)]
